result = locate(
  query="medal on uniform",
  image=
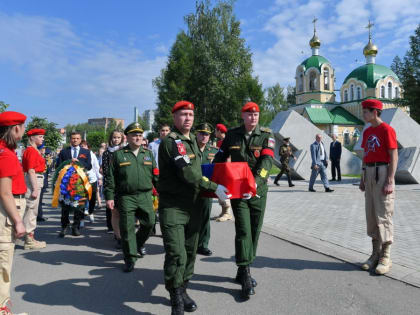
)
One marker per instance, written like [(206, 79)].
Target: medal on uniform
[(257, 153)]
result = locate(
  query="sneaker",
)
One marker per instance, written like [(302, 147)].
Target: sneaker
[(91, 218), (86, 211)]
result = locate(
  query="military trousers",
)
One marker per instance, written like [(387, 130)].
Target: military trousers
[(7, 248), (32, 204), (249, 217), (180, 227), (205, 205), (379, 207), (285, 169), (77, 216), (132, 207)]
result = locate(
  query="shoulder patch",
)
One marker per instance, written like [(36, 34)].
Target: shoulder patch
[(265, 129), (173, 135)]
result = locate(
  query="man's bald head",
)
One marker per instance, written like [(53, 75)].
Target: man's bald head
[(318, 137)]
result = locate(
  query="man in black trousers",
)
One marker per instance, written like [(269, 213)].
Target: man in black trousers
[(81, 155), (335, 156)]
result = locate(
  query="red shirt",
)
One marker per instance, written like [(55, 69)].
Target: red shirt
[(219, 143), (10, 167), (376, 143), (32, 159)]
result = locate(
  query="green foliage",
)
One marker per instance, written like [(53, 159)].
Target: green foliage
[(209, 65), (151, 136), (408, 71), (95, 138), (3, 106), (52, 134), (274, 102)]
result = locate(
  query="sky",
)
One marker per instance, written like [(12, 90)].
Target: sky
[(71, 60)]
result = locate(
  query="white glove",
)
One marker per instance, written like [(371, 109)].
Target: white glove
[(222, 193), (247, 196)]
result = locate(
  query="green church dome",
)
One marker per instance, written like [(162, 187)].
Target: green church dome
[(370, 74), (314, 61)]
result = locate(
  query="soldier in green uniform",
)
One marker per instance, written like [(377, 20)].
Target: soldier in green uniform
[(131, 176), (285, 153), (179, 186), (203, 132), (252, 144)]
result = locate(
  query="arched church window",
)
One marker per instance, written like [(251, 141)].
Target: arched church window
[(351, 92), (397, 92), (326, 79), (382, 91), (359, 93), (312, 81), (346, 96), (300, 80), (389, 90)]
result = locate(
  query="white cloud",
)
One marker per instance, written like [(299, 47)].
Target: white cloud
[(102, 77)]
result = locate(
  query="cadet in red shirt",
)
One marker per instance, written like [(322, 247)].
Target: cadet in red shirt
[(380, 161), (12, 199), (34, 167)]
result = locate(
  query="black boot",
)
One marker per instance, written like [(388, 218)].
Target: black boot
[(245, 278), (289, 179), (238, 280), (177, 302), (189, 304)]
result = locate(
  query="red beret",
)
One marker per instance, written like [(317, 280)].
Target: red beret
[(250, 107), (35, 132), (11, 118), (182, 105), (372, 103), (221, 128)]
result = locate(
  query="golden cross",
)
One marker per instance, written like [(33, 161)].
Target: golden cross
[(369, 26), (314, 21)]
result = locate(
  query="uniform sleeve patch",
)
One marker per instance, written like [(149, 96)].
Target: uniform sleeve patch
[(263, 172), (271, 142)]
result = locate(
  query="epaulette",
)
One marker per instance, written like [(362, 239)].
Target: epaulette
[(173, 135), (265, 129)]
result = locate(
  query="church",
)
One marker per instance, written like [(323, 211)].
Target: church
[(316, 93)]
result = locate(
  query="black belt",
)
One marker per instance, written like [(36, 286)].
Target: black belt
[(376, 164), (19, 196)]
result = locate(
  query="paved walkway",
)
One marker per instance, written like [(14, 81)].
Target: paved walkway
[(336, 221)]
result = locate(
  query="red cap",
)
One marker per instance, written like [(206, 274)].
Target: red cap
[(182, 105), (36, 132), (372, 103), (221, 128), (11, 118), (250, 107)]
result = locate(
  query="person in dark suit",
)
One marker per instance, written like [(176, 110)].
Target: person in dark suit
[(335, 156), (74, 153)]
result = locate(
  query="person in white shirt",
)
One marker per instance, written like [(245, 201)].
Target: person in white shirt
[(154, 146), (95, 179), (319, 164)]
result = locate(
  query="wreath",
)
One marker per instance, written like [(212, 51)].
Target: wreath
[(72, 185)]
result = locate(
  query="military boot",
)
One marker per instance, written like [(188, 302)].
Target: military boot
[(246, 283), (385, 262), (225, 215), (238, 278), (32, 243), (177, 303), (374, 258), (189, 303)]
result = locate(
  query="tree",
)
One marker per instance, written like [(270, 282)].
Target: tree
[(409, 73), (3, 106), (210, 66), (94, 139), (52, 135), (274, 102), (291, 95)]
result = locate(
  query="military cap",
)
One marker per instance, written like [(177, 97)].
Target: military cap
[(221, 128), (10, 118), (182, 105), (133, 127), (36, 132), (250, 107), (372, 103), (205, 128)]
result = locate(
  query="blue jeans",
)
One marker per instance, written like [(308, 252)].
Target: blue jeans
[(322, 171)]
